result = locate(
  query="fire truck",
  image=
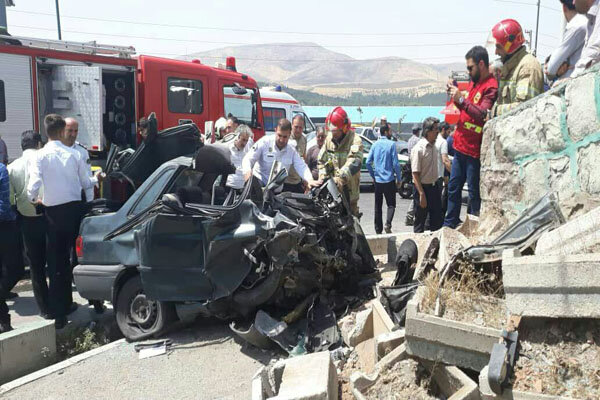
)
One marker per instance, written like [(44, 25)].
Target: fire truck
[(107, 89)]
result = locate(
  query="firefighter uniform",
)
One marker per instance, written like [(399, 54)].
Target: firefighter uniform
[(343, 160), (521, 79)]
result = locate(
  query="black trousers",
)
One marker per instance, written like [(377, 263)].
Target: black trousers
[(12, 267), (389, 191), (433, 209), (34, 235), (294, 188), (63, 226)]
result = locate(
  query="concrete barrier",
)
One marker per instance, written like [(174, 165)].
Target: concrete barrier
[(486, 392), (26, 349), (451, 342), (580, 235), (554, 286), (452, 382), (312, 376)]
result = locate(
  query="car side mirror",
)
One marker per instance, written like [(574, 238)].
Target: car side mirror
[(239, 90)]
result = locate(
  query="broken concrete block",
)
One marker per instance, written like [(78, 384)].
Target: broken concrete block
[(453, 384), (398, 354), (451, 242), (360, 330), (386, 244), (554, 286), (309, 377), (386, 342), (452, 342), (470, 226), (26, 349), (367, 355), (365, 324), (580, 235), (486, 393)]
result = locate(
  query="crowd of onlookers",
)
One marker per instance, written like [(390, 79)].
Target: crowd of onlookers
[(43, 197), (44, 193)]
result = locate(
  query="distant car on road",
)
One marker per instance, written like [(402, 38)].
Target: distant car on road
[(365, 177)]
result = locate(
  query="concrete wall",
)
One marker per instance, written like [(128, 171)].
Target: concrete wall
[(551, 142)]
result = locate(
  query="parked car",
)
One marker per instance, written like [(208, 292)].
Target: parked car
[(365, 177), (182, 246)]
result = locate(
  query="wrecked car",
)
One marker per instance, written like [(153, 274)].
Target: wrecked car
[(183, 246)]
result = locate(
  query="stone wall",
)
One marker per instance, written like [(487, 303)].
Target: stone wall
[(550, 143)]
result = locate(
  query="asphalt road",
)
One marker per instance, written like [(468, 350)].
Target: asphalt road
[(205, 362), (366, 205)]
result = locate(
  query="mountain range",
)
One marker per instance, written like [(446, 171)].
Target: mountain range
[(308, 66)]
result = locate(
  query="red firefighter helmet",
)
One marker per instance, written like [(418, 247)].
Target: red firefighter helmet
[(509, 35), (338, 118)]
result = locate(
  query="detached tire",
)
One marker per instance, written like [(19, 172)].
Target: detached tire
[(137, 316)]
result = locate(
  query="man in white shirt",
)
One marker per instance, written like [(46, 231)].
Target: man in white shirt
[(591, 51), (269, 149), (293, 183), (63, 173), (70, 140), (238, 150), (561, 63), (31, 223)]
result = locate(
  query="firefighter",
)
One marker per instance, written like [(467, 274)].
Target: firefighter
[(521, 76), (341, 156)]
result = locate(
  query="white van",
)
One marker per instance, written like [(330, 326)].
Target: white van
[(276, 105)]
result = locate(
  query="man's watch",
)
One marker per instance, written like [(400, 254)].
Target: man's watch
[(461, 100)]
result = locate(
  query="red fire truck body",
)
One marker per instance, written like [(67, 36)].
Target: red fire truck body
[(107, 90)]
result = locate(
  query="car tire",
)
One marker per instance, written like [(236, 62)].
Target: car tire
[(137, 316)]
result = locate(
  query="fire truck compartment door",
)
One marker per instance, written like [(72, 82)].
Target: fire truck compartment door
[(80, 96), (16, 104)]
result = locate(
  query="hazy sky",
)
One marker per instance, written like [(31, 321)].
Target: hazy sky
[(428, 31)]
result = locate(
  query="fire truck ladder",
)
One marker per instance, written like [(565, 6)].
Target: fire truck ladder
[(76, 47)]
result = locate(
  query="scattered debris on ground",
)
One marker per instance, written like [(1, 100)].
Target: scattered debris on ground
[(560, 358), (406, 379)]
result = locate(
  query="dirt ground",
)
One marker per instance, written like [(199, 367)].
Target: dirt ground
[(560, 358), (407, 379)]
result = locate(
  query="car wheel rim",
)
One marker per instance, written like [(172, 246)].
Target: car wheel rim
[(142, 311)]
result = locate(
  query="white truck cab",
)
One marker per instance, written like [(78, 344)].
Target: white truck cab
[(276, 105)]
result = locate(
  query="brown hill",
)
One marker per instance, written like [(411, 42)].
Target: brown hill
[(313, 67)]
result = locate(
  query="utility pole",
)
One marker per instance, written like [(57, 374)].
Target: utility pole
[(537, 27), (58, 20), (3, 5)]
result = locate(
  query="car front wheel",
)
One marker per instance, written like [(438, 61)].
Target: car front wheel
[(137, 316)]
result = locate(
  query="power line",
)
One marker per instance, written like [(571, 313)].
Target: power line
[(249, 30), (246, 44), (522, 3)]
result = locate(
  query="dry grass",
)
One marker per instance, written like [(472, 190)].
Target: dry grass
[(469, 296)]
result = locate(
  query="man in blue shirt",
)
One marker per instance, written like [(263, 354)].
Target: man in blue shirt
[(383, 164), (11, 262)]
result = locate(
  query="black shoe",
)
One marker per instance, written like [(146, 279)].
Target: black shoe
[(388, 229), (98, 306), (5, 327), (378, 232), (72, 308), (46, 315), (60, 323), (11, 295)]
